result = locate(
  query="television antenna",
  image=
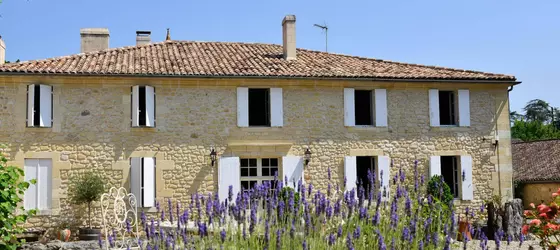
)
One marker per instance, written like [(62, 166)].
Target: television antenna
[(325, 28)]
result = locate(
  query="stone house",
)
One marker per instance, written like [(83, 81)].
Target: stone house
[(536, 170), (147, 117)]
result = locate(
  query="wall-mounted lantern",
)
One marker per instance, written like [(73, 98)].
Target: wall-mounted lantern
[(307, 156), (213, 156)]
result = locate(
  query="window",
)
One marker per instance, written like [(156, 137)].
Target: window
[(365, 165), (143, 180), (447, 108), (364, 107), (39, 105), (143, 106), (38, 195), (255, 171), (451, 174), (259, 107)]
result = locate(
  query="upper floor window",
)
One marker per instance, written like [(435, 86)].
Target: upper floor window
[(365, 107), (259, 107), (39, 105), (449, 107), (38, 195), (143, 106)]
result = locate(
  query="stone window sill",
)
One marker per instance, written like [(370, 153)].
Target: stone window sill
[(39, 129), (143, 129), (260, 129), (451, 128), (368, 128)]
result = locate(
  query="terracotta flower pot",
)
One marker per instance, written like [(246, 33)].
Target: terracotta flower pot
[(464, 229), (64, 235)]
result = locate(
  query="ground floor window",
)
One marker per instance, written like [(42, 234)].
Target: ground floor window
[(451, 173), (365, 166), (257, 170)]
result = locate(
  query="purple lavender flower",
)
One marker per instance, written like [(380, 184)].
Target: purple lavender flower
[(415, 176), (331, 239), (375, 218), (408, 206), (162, 215), (223, 235), (128, 226), (100, 242), (349, 244), (363, 213), (253, 220), (293, 228), (435, 238), (395, 178), (421, 245), (143, 218), (393, 244), (402, 175), (170, 207), (111, 241), (278, 239), (382, 245), (157, 206), (202, 229), (339, 231), (304, 245), (357, 232), (309, 189), (329, 173), (422, 180)]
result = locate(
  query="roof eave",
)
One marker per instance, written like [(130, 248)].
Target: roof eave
[(496, 81)]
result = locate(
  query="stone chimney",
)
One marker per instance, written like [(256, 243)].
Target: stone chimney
[(94, 39), (2, 51), (143, 37), (289, 37)]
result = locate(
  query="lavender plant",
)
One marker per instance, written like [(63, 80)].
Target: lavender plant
[(270, 216)]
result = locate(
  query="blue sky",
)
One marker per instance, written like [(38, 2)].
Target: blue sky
[(502, 36)]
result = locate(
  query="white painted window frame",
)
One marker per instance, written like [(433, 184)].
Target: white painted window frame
[(259, 178)]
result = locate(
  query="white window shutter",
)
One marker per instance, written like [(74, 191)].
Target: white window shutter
[(228, 175), (44, 184), (136, 179), (464, 108), (381, 107), (384, 163), (276, 108), (349, 108), (135, 106), (434, 107), (292, 169), (242, 107), (149, 178), (150, 107), (466, 175), (30, 105), (46, 106), (350, 172), (435, 165), (30, 196)]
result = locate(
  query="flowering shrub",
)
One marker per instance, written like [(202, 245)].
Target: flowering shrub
[(544, 223), (263, 218)]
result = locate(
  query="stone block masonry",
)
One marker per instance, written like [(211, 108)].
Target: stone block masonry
[(92, 131)]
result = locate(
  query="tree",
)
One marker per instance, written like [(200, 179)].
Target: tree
[(86, 189), (515, 116), (538, 110), (534, 130)]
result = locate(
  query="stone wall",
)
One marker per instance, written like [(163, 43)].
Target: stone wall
[(92, 130)]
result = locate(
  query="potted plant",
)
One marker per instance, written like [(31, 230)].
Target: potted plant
[(86, 189)]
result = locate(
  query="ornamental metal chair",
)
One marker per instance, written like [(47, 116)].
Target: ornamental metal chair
[(120, 219)]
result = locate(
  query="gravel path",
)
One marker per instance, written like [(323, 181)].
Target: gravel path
[(514, 245)]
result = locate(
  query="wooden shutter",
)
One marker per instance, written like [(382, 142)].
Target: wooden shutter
[(381, 107), (30, 105), (229, 174), (434, 107), (292, 169), (243, 107), (464, 108), (435, 165), (276, 108), (349, 108), (30, 196), (135, 106), (384, 163), (46, 106), (150, 107), (350, 172), (136, 179), (44, 184), (467, 184), (149, 181)]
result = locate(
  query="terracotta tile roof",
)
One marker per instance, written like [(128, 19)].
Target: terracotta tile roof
[(536, 161), (223, 59)]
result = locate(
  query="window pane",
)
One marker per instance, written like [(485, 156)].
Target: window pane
[(244, 172), (244, 162), (363, 107), (253, 183), (244, 185), (253, 162), (259, 107), (273, 171), (265, 172), (253, 172), (274, 162), (448, 173), (265, 162), (447, 108)]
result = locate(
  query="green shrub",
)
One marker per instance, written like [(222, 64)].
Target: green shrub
[(12, 216), (86, 189), (439, 189)]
